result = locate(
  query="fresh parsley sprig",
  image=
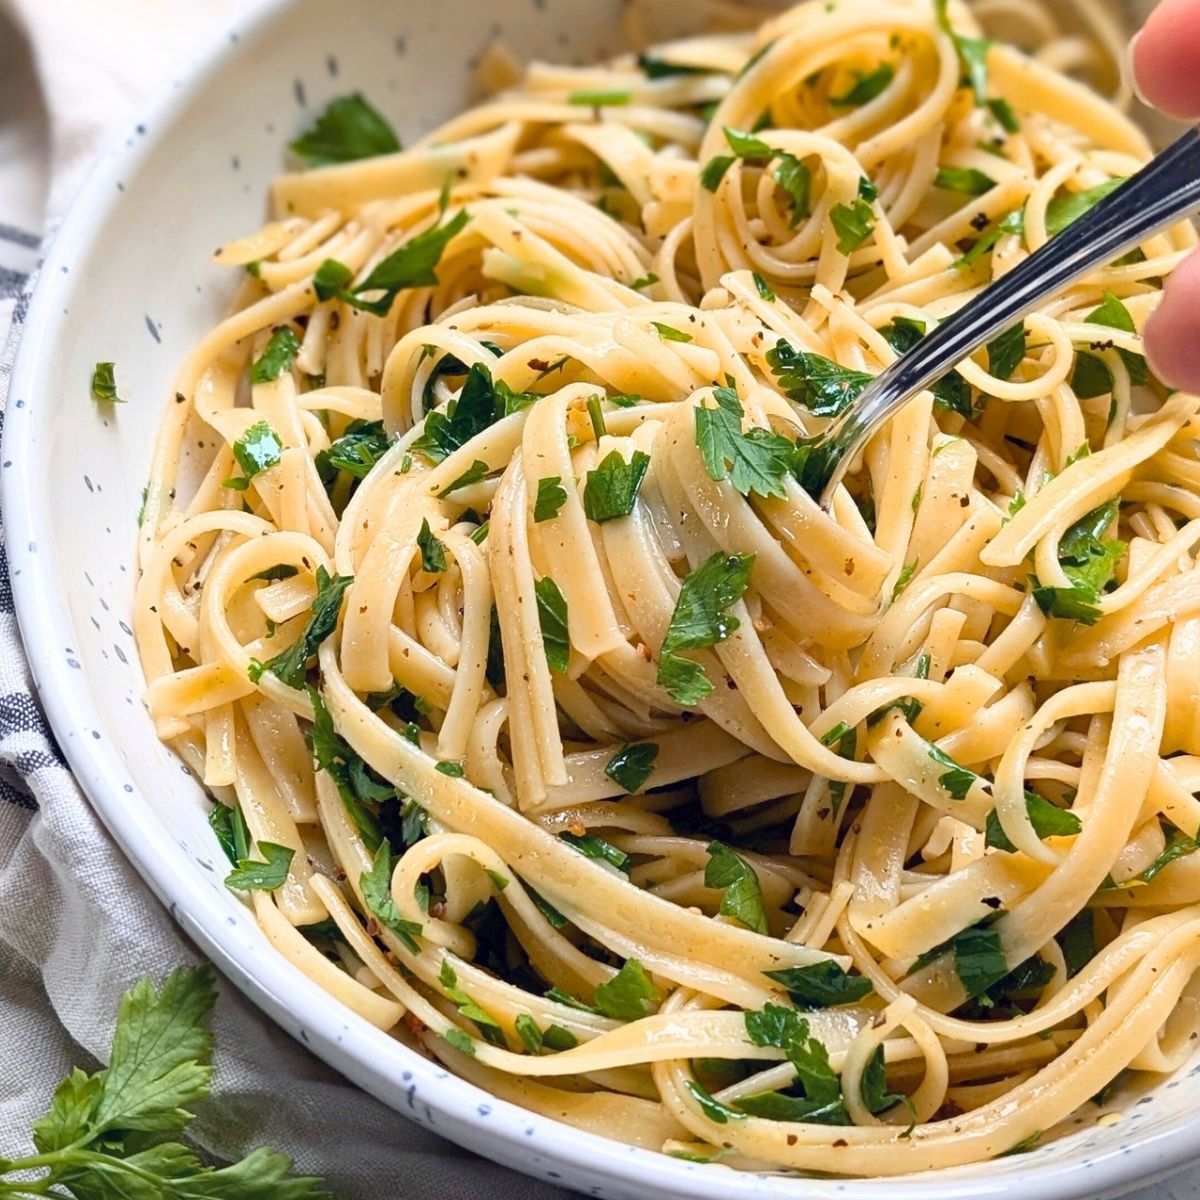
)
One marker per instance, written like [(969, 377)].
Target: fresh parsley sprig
[(108, 1134)]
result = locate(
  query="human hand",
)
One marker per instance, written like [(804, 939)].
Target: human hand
[(1166, 72)]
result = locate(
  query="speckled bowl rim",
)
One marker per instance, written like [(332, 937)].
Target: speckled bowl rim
[(413, 1085)]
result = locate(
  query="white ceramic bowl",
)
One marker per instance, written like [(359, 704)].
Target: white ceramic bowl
[(129, 279)]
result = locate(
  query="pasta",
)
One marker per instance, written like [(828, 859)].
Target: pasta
[(555, 727)]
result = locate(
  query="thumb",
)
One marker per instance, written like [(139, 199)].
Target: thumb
[(1172, 335), (1166, 59)]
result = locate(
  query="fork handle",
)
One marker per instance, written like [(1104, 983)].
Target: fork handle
[(1164, 191)]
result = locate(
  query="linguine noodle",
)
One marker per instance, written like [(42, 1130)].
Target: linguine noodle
[(553, 724)]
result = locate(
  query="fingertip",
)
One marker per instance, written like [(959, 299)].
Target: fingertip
[(1165, 59), (1172, 334)]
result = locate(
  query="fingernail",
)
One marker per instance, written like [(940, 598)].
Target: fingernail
[(1132, 67)]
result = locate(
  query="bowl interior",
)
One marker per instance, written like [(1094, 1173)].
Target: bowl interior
[(130, 280)]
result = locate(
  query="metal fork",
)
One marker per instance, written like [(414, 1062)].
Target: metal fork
[(1166, 190)]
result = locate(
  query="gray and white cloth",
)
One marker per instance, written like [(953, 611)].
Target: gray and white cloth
[(77, 925)]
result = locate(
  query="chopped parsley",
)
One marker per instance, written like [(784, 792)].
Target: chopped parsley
[(104, 384), (258, 449), (632, 766), (552, 615), (763, 288), (1089, 561), (254, 875), (1048, 820), (853, 223), (1013, 223), (866, 87), (488, 1025), (1007, 352), (229, 828), (592, 846), (956, 780), (822, 386), (629, 994), (756, 461), (1065, 210), (611, 489), (659, 68), (742, 896), (968, 181), (1005, 115), (670, 335), (701, 618), (433, 552), (785, 1029), (330, 279), (348, 129), (972, 53), (477, 472), (411, 266), (551, 496), (278, 356), (978, 955), (290, 665), (821, 985), (358, 449), (376, 888)]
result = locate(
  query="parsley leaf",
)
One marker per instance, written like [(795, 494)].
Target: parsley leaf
[(966, 180), (1064, 210), (481, 402), (874, 1085), (254, 875), (477, 472), (714, 171), (1014, 223), (1178, 846), (229, 827), (277, 357), (290, 665), (978, 955), (1115, 315), (1005, 115), (853, 223), (670, 335), (330, 278), (742, 897), (755, 461), (258, 449), (551, 496), (448, 978), (795, 178), (1078, 941), (358, 450), (713, 1109), (433, 552), (552, 614), (347, 130), (376, 887), (104, 384), (865, 87), (957, 780), (1007, 352), (785, 1029), (1048, 820), (701, 618), (629, 994), (659, 68), (763, 287), (972, 53), (411, 266), (821, 985), (591, 846), (360, 790), (632, 765), (819, 384), (1089, 562), (612, 488)]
